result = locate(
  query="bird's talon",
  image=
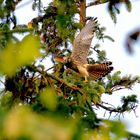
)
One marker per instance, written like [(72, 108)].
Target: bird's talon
[(85, 81)]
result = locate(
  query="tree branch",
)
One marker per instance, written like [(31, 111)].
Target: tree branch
[(83, 12), (97, 2), (57, 79), (132, 135), (115, 110), (15, 31), (110, 109)]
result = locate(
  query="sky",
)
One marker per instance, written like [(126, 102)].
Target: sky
[(116, 51)]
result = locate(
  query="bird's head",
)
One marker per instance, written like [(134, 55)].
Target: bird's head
[(67, 61), (63, 60)]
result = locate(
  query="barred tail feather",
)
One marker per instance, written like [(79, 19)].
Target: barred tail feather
[(97, 71)]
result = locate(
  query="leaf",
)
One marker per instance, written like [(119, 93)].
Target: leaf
[(22, 123), (49, 98), (28, 50), (101, 89), (116, 76), (8, 59), (128, 5), (6, 99), (109, 37), (118, 128), (16, 55)]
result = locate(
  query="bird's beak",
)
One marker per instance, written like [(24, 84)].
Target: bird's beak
[(59, 59)]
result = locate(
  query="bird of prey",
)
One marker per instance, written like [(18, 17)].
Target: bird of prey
[(80, 50)]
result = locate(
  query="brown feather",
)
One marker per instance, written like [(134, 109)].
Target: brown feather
[(80, 52), (82, 43), (96, 71)]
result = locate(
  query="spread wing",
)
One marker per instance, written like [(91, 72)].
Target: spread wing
[(82, 42), (97, 71)]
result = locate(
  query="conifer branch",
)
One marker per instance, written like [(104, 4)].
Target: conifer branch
[(97, 2), (15, 31), (120, 110), (110, 109), (132, 135)]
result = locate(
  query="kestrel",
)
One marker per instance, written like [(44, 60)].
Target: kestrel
[(80, 50)]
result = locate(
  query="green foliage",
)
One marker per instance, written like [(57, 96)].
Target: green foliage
[(64, 19), (49, 98), (7, 100), (19, 54), (129, 102), (101, 35), (119, 126), (114, 5), (21, 122)]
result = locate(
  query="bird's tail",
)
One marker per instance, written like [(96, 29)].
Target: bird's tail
[(97, 71)]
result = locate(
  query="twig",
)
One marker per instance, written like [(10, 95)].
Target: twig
[(89, 106), (2, 82), (57, 79), (15, 31), (113, 89), (50, 68), (110, 109), (119, 87), (132, 135), (97, 2), (97, 51), (117, 110), (108, 104)]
